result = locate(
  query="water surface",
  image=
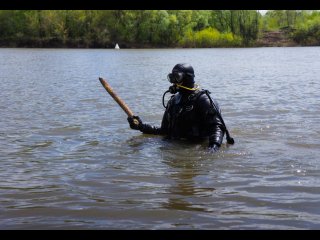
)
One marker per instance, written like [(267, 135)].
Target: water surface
[(70, 161)]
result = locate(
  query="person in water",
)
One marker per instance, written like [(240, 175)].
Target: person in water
[(190, 113)]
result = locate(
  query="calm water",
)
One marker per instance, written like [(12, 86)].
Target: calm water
[(68, 159)]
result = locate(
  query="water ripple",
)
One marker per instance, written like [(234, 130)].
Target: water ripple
[(70, 161)]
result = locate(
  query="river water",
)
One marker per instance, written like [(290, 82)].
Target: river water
[(68, 159)]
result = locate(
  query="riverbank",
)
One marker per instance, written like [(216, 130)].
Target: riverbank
[(278, 38)]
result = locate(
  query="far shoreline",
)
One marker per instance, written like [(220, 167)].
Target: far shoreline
[(151, 48)]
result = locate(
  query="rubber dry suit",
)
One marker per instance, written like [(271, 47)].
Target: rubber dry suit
[(189, 115)]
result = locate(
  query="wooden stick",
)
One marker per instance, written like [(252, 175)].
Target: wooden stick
[(116, 98)]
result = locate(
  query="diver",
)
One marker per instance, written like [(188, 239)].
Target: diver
[(190, 113)]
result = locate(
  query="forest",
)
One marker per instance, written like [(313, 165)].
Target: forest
[(155, 28)]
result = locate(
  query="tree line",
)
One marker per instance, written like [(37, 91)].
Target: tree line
[(152, 28)]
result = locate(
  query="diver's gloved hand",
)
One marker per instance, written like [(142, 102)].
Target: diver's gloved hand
[(214, 147), (135, 122)]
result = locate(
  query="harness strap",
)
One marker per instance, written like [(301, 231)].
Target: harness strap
[(230, 140)]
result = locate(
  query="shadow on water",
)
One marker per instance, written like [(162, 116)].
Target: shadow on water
[(185, 162)]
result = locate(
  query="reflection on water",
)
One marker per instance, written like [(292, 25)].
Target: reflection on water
[(184, 192), (70, 161)]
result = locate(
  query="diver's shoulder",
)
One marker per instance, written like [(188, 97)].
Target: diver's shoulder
[(203, 95)]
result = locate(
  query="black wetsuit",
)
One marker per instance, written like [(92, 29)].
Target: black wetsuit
[(190, 116)]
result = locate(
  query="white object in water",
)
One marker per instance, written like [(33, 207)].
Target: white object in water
[(117, 46)]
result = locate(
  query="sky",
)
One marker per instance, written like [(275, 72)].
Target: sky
[(263, 12)]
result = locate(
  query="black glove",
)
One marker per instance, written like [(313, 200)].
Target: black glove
[(135, 122), (214, 147)]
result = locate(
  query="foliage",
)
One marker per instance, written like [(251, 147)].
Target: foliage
[(308, 31), (208, 38), (152, 28)]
